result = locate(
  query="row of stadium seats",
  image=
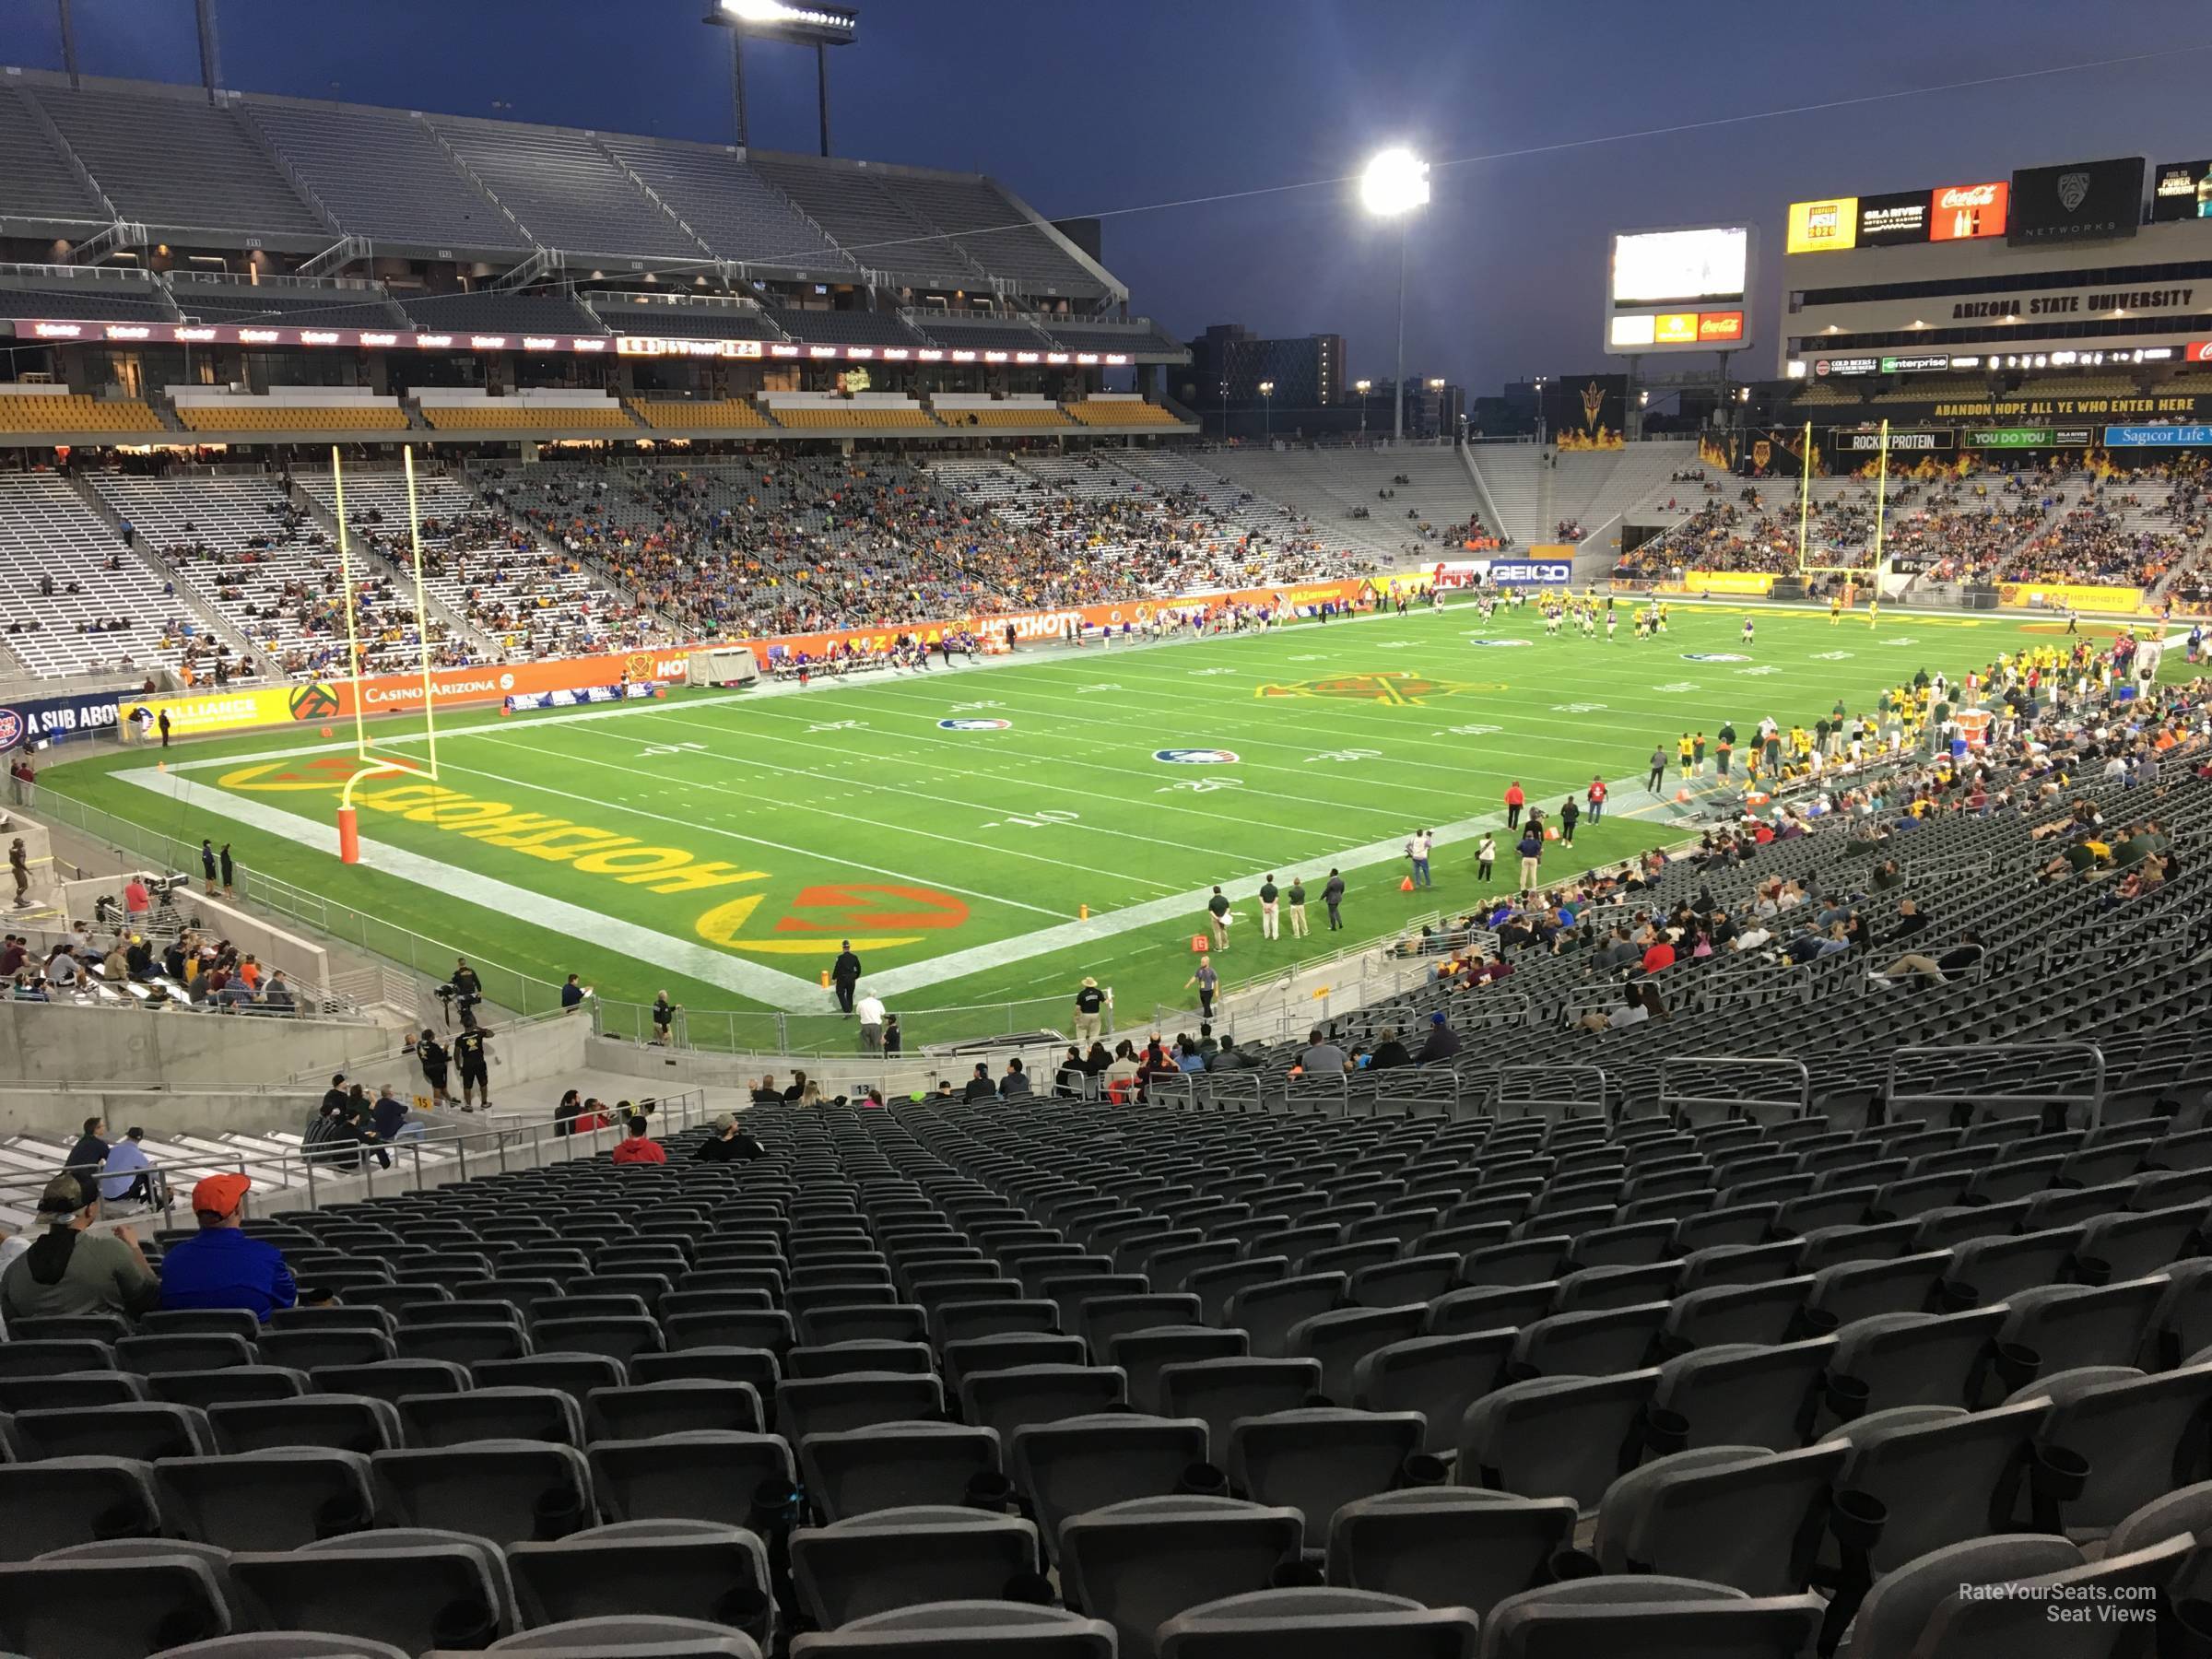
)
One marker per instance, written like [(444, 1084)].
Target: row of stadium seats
[(927, 1356), (246, 164), (64, 413)]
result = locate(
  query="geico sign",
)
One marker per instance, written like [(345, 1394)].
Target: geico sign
[(1547, 572)]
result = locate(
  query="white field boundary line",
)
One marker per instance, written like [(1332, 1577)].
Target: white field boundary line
[(749, 979), (764, 985)]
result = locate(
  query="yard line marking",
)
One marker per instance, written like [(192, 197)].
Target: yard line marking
[(903, 827), (566, 794), (745, 978), (1003, 953)]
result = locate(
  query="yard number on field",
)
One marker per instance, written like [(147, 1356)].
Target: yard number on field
[(659, 751), (1045, 820), (1346, 755)]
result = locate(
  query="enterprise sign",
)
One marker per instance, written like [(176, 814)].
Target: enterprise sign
[(68, 331)]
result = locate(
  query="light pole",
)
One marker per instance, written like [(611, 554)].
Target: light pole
[(1394, 183), (1267, 411), (1436, 390), (1363, 388), (816, 23)]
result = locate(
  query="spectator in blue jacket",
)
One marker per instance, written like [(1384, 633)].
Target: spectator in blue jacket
[(223, 1267)]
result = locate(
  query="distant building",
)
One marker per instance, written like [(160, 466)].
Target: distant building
[(1229, 364)]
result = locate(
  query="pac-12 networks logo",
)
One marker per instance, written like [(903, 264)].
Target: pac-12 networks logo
[(1196, 757)]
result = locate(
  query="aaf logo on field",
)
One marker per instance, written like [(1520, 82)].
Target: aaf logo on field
[(1482, 644), (974, 725), (1196, 757), (1714, 656)]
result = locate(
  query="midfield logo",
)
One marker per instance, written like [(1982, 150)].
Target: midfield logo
[(1395, 689)]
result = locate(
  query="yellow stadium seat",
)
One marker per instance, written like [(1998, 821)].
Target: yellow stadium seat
[(505, 416), (1023, 417), (1116, 413), (243, 417), (732, 413), (852, 419), (67, 412)]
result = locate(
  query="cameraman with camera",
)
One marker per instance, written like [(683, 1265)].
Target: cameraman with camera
[(463, 993)]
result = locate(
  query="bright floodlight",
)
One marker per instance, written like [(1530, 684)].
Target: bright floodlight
[(823, 24), (1395, 181)]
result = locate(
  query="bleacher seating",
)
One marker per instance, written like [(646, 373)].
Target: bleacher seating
[(1328, 485), (865, 213), (1119, 412), (525, 598), (58, 410), (248, 556), (511, 414), (381, 174), (286, 307), (105, 611), (489, 311), (1010, 335), (1002, 415), (1269, 1420), (36, 181), (1077, 337), (737, 215), (292, 413), (735, 414), (826, 327), (565, 190), (166, 156), (856, 416), (93, 301), (992, 232), (631, 315)]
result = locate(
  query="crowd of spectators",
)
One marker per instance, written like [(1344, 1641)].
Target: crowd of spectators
[(191, 971), (2066, 525)]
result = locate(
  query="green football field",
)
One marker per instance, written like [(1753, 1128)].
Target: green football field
[(991, 837)]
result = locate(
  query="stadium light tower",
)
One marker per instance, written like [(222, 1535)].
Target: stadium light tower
[(1267, 411), (1395, 183), (813, 24)]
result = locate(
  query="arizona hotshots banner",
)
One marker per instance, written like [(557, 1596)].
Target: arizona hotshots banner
[(203, 713), (198, 713)]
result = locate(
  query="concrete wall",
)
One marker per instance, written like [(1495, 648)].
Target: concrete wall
[(304, 962), (38, 849), (60, 1043), (846, 1075), (160, 1112)]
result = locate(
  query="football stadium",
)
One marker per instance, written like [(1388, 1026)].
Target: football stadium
[(749, 915)]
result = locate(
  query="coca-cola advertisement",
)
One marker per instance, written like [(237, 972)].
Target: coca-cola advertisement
[(1967, 212)]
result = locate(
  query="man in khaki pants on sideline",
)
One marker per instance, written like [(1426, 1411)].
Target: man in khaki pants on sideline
[(1091, 1004), (1297, 907)]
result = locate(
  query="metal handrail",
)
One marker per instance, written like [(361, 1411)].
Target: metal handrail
[(1891, 1099), (1672, 1104), (1504, 1078), (688, 1106)]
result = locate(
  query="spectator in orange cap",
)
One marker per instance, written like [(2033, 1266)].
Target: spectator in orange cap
[(222, 1265)]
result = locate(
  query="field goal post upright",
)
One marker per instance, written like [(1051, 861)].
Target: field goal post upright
[(372, 765), (1853, 574)]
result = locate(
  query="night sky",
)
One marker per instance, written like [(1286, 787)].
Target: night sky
[(1102, 109)]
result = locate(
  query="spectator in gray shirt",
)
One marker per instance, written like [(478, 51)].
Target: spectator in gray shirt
[(1323, 1058)]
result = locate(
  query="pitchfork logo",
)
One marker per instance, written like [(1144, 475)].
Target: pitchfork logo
[(2072, 190)]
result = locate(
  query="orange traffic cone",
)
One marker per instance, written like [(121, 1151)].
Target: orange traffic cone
[(1406, 885), (1550, 833)]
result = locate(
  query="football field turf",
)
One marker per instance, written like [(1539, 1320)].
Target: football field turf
[(956, 825)]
